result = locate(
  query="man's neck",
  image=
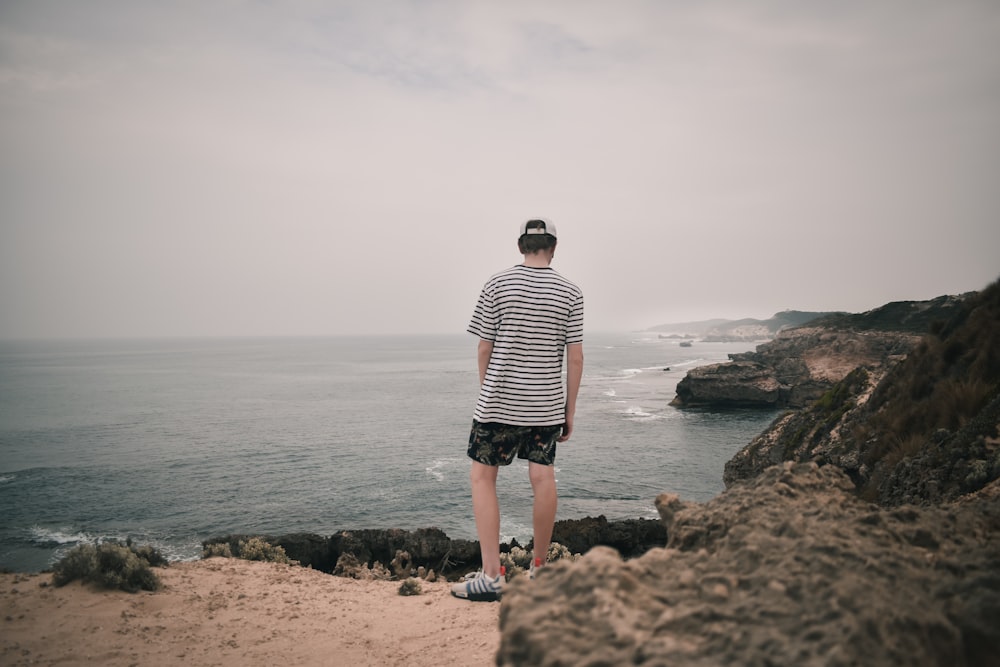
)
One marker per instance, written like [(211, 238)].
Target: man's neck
[(538, 260)]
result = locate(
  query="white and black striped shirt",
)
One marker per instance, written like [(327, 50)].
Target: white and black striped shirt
[(531, 315)]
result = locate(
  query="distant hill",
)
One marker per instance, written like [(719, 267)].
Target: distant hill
[(906, 316), (746, 329)]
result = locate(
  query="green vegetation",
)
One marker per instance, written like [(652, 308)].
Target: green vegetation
[(252, 548), (111, 565)]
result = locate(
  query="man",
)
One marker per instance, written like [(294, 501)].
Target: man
[(526, 318)]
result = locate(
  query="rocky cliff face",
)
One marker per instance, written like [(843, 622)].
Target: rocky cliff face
[(917, 429), (802, 363)]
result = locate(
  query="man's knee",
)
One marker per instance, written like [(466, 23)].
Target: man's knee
[(541, 474), (483, 474)]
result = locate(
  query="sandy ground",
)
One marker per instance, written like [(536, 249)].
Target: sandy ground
[(233, 612)]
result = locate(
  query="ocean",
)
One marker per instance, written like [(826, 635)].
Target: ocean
[(169, 442)]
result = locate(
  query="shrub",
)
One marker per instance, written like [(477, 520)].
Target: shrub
[(518, 560), (257, 548), (217, 549), (251, 548), (410, 587), (79, 563), (111, 565)]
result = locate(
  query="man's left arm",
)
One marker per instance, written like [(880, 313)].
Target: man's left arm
[(574, 374)]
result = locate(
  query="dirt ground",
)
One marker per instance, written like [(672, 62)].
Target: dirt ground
[(233, 612)]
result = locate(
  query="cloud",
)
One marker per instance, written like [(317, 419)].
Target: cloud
[(311, 167)]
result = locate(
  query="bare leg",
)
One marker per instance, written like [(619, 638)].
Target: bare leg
[(486, 508), (543, 484)]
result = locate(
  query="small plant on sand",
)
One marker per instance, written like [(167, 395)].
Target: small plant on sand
[(518, 560), (410, 587), (217, 550), (348, 565), (112, 565)]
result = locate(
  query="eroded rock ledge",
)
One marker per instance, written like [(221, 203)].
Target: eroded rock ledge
[(787, 569)]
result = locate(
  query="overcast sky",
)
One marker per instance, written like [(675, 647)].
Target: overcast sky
[(322, 167)]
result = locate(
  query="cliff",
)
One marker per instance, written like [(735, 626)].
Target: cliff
[(913, 430)]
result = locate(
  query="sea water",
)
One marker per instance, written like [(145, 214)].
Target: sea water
[(170, 442)]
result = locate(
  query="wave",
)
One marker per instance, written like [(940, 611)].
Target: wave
[(51, 538), (689, 362), (437, 466), (636, 413), (63, 540)]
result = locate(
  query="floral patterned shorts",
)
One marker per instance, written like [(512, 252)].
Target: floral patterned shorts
[(495, 444)]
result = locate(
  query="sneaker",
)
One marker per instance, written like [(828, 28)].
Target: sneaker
[(479, 588), (536, 564)]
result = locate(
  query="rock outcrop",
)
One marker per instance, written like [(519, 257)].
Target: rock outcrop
[(630, 537), (790, 568), (432, 549), (802, 363)]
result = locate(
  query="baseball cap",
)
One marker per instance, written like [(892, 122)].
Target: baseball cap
[(546, 227)]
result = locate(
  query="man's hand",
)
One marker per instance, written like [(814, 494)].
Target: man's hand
[(567, 430)]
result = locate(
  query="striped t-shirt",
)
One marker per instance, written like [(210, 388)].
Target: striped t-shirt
[(531, 315)]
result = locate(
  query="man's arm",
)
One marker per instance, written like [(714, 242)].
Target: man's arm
[(484, 353), (574, 373)]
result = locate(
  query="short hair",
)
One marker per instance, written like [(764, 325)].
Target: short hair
[(529, 244)]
